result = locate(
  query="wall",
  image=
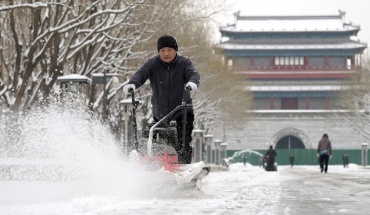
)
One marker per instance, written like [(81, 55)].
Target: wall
[(262, 131), (302, 156)]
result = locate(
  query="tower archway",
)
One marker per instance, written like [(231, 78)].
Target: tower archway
[(291, 138), (289, 142)]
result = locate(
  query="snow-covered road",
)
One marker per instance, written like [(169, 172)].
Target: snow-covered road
[(298, 190), (56, 162), (241, 189)]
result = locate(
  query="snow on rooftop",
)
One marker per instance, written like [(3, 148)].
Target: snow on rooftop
[(299, 111), (74, 77), (289, 23), (348, 45), (294, 88)]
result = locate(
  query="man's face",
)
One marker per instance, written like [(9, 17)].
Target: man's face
[(167, 54)]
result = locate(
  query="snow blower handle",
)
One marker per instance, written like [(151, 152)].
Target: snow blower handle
[(186, 98), (132, 92), (186, 94)]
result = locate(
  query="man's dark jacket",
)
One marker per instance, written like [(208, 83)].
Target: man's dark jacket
[(167, 82), (271, 153)]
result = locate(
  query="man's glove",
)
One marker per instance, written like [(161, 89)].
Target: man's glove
[(191, 86), (318, 155), (128, 87)]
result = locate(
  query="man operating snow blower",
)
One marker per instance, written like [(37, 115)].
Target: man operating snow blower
[(169, 73)]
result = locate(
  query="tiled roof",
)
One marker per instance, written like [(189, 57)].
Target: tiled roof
[(289, 24), (347, 45), (295, 88)]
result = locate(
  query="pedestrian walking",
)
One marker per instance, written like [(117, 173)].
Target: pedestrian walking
[(244, 159), (291, 160), (324, 152), (345, 159), (271, 154)]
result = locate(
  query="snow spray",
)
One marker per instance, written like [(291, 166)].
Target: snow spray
[(61, 152)]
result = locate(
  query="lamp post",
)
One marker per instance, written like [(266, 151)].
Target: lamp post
[(364, 154), (198, 146), (217, 152), (208, 142), (101, 78), (73, 83), (125, 106), (223, 151)]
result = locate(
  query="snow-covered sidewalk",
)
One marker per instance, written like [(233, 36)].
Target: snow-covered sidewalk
[(241, 189)]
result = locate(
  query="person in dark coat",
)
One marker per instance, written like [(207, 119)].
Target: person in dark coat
[(244, 159), (169, 74), (345, 159), (324, 152), (271, 154), (291, 160)]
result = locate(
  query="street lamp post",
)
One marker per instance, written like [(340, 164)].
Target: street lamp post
[(208, 140), (198, 145), (364, 154), (101, 78), (223, 151), (73, 83), (217, 151), (125, 106)]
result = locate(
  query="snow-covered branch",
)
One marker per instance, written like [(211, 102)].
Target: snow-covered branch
[(24, 6), (48, 39)]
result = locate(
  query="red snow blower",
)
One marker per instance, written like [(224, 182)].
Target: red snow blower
[(160, 153)]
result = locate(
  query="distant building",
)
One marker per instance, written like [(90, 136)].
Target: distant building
[(297, 66)]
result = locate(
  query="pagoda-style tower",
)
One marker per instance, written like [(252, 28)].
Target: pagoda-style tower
[(297, 66)]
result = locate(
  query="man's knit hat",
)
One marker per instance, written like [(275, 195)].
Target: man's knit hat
[(167, 41)]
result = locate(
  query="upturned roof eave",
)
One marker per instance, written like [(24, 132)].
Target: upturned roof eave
[(350, 45), (235, 31), (289, 17)]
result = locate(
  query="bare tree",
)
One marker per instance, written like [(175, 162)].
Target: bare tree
[(356, 100), (41, 40), (62, 37)]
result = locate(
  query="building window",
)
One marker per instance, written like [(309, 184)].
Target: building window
[(281, 60), (301, 61), (286, 61), (296, 61), (289, 61)]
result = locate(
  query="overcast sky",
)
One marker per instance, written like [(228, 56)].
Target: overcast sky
[(357, 11)]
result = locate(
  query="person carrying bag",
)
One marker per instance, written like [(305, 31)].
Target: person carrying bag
[(324, 152)]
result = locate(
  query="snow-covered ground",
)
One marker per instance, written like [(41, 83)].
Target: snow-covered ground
[(240, 189), (62, 161)]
